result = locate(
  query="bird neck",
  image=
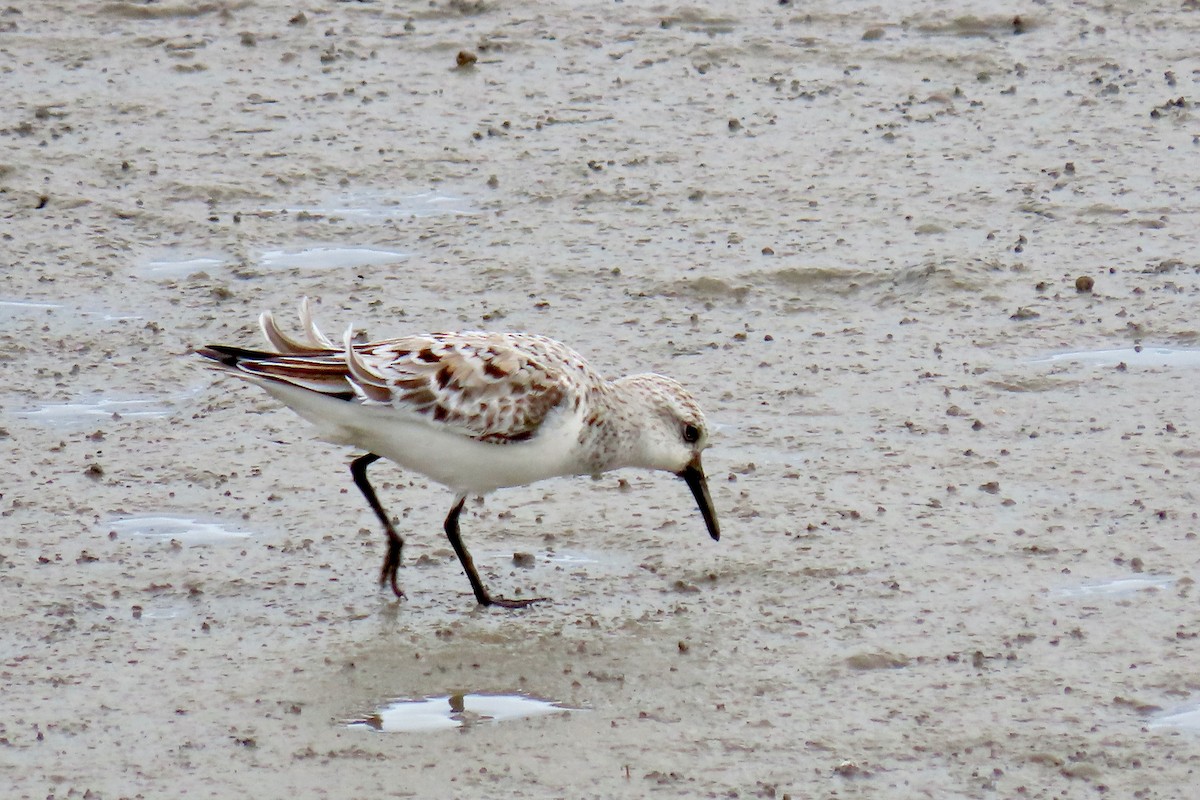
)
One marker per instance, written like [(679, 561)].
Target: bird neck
[(616, 427)]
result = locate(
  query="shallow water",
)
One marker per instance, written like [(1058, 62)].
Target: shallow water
[(188, 530), (1118, 586), (164, 610), (375, 204), (90, 412), (553, 557), (877, 187), (19, 306), (163, 267), (1130, 356), (80, 312), (330, 258), (455, 711), (1185, 717)]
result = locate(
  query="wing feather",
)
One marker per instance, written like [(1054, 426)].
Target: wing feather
[(314, 342), (494, 387)]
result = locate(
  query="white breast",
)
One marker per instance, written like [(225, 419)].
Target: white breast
[(439, 452)]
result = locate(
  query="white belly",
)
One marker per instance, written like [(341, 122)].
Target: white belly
[(440, 453)]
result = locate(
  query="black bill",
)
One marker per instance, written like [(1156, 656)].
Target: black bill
[(693, 476)]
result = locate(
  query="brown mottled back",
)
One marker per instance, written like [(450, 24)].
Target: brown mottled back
[(498, 387)]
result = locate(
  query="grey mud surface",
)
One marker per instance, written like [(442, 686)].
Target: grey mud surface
[(953, 565)]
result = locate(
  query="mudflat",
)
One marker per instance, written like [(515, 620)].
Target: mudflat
[(931, 271)]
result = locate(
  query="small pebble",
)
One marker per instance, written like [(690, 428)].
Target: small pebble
[(1084, 283)]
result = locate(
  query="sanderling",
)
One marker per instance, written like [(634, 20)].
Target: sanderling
[(475, 411)]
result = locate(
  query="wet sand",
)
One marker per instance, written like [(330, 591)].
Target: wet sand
[(956, 562)]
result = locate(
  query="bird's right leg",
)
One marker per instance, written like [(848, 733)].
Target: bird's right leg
[(391, 562)]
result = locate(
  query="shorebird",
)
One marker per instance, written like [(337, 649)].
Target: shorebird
[(474, 411)]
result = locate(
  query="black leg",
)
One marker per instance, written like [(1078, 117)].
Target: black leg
[(464, 558), (391, 562)]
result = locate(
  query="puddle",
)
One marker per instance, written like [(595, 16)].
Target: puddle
[(1130, 356), (382, 204), (184, 529), (568, 558), (455, 711), (299, 258), (1120, 586), (179, 267), (89, 413), (555, 557), (1187, 717), (11, 308), (28, 306), (166, 612), (329, 258)]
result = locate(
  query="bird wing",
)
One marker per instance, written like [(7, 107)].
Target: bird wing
[(494, 387)]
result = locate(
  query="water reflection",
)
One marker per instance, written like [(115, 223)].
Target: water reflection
[(455, 711)]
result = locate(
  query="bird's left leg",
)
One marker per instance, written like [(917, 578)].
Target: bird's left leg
[(391, 562), (468, 565)]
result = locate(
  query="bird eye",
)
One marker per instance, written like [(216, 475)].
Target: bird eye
[(691, 434)]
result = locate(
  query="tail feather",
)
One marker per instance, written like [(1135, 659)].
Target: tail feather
[(311, 331), (228, 356), (322, 377), (315, 342)]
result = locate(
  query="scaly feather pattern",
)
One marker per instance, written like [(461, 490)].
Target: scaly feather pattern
[(497, 387), (474, 411)]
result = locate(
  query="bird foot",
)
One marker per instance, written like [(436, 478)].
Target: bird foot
[(504, 602), (393, 583)]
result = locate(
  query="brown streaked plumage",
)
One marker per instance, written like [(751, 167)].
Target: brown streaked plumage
[(475, 411)]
